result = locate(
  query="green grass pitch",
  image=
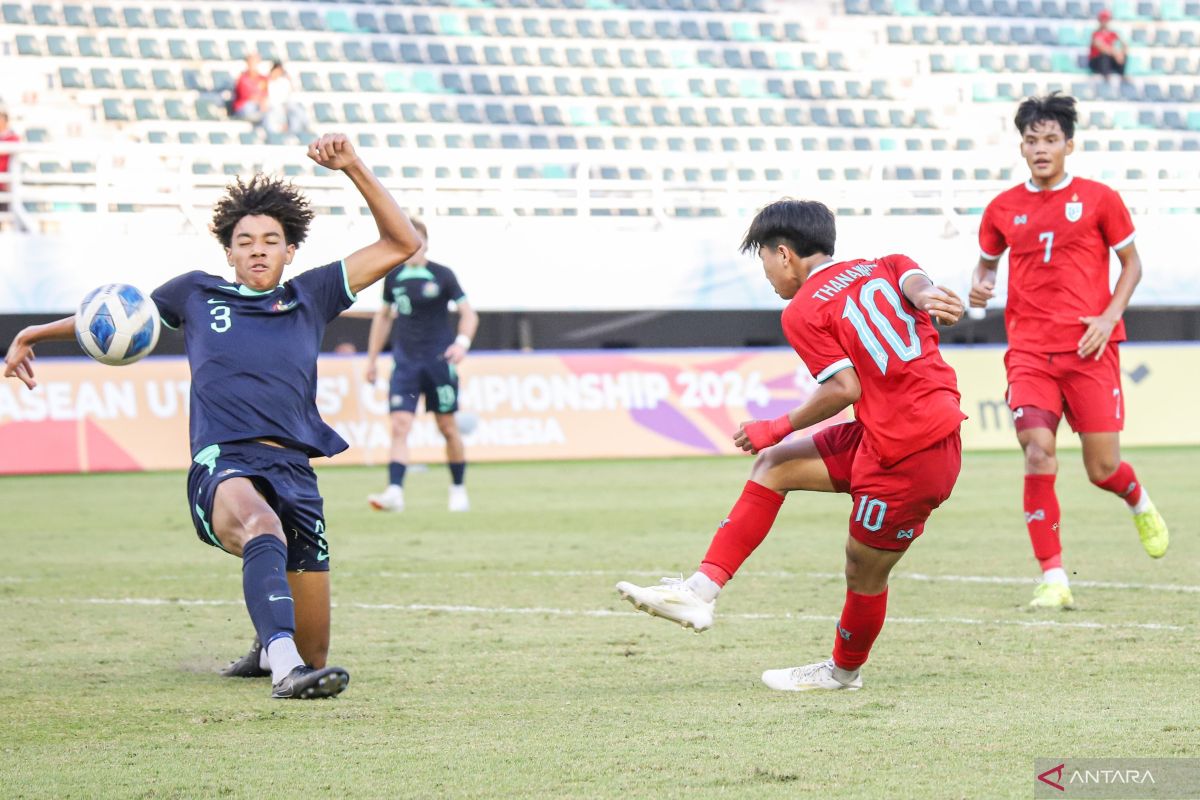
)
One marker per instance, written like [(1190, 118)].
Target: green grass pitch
[(490, 656)]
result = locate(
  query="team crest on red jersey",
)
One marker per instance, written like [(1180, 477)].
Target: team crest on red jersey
[(1074, 209)]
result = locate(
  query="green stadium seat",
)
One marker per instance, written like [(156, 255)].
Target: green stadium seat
[(282, 20), (132, 79), (149, 49), (70, 78), (145, 110), (311, 21), (102, 78), (174, 109), (113, 110)]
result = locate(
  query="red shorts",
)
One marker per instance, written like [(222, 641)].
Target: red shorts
[(892, 503), (1089, 391)]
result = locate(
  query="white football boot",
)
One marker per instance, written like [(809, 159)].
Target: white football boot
[(458, 499), (822, 675), (672, 599), (390, 499)]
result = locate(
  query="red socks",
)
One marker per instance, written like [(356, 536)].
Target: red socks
[(742, 531), (1042, 517), (1124, 484), (861, 622)]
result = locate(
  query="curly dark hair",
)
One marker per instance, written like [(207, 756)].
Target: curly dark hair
[(1054, 106), (805, 226), (266, 196)]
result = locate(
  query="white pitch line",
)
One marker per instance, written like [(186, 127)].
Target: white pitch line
[(608, 573), (910, 576), (604, 612)]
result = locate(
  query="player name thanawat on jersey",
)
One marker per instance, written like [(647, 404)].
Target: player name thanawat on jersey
[(843, 279)]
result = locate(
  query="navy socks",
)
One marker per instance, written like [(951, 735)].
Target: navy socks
[(265, 586)]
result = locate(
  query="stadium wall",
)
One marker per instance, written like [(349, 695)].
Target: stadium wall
[(85, 417)]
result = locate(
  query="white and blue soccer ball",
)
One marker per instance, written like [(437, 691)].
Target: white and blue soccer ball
[(117, 324)]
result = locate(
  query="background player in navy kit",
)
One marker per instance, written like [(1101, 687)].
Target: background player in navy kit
[(252, 347), (416, 298)]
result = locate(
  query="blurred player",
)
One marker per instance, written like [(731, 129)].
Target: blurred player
[(1064, 325), (416, 298), (864, 330), (252, 346)]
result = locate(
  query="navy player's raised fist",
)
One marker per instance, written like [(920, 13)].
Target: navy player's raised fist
[(333, 151)]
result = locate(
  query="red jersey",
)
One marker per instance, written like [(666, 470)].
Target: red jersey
[(7, 136), (1058, 264), (854, 314), (1105, 38), (251, 87)]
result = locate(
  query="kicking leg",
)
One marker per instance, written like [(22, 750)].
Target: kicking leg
[(1102, 460), (789, 466)]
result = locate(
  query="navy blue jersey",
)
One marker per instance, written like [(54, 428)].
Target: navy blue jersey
[(253, 355), (421, 298)]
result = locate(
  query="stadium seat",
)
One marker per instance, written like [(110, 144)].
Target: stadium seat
[(70, 78)]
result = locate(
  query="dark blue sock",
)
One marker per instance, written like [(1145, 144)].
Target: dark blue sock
[(396, 472), (458, 472), (265, 586)]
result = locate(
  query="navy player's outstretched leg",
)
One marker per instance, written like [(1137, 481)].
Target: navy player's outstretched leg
[(247, 526)]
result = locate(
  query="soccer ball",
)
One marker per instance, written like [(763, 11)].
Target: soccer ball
[(116, 324)]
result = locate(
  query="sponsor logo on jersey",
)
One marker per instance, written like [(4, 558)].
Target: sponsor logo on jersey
[(1020, 219), (430, 289), (280, 305)]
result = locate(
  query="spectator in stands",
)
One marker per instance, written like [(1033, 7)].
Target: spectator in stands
[(7, 135), (1107, 56), (250, 93), (284, 113)]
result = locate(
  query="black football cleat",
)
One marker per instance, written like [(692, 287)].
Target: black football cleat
[(306, 683), (248, 665)]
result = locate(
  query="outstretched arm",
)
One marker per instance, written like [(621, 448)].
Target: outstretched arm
[(942, 304), (18, 362), (397, 238), (840, 391)]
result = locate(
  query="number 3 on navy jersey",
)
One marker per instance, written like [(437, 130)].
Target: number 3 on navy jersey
[(221, 321), (905, 351)]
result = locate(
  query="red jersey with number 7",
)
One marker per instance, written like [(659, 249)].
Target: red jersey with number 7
[(855, 314), (1058, 243)]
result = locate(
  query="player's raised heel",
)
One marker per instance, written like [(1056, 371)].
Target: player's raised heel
[(820, 676), (1052, 595), (390, 499), (672, 600), (1152, 530), (249, 665), (306, 683)]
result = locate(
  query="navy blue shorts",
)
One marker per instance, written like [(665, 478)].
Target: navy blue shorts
[(435, 378), (287, 481)]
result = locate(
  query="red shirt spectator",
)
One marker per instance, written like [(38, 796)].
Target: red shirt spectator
[(7, 134), (250, 93)]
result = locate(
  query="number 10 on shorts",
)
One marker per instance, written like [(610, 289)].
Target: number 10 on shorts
[(870, 512)]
